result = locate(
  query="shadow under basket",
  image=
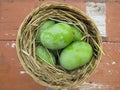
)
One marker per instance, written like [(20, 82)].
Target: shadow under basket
[(46, 74)]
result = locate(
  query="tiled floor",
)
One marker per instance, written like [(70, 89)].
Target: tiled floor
[(12, 75)]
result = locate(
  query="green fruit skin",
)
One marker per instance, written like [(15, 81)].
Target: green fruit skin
[(48, 23), (57, 37), (44, 54), (77, 34), (76, 55)]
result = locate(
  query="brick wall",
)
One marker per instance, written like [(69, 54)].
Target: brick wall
[(12, 75)]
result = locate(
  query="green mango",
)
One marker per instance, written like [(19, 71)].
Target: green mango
[(76, 55), (77, 34), (44, 54), (47, 24), (57, 37)]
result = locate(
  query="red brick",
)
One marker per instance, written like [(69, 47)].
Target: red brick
[(113, 21), (15, 0), (15, 11), (11, 16), (8, 31), (11, 77)]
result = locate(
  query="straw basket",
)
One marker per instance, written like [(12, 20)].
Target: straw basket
[(46, 74)]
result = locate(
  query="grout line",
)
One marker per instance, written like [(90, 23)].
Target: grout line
[(111, 41), (7, 40)]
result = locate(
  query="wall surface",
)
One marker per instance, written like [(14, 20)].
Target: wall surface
[(107, 17)]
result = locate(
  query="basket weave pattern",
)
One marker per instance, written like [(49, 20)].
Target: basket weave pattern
[(45, 74)]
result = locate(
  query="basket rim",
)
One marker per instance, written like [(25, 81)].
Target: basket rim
[(18, 49)]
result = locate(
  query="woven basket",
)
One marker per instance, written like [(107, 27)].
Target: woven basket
[(45, 74)]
